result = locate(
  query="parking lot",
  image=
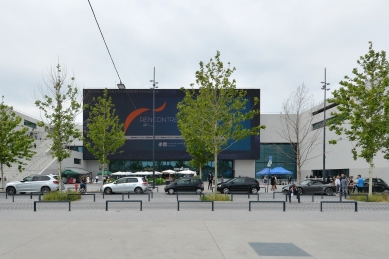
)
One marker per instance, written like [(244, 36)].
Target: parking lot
[(160, 231)]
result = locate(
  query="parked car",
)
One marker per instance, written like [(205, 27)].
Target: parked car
[(185, 185), (379, 185), (126, 184), (34, 183), (239, 184), (311, 186)]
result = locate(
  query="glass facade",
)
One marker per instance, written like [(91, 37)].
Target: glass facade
[(282, 154), (330, 172)]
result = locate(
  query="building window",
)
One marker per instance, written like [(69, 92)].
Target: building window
[(320, 124), (77, 161), (29, 124), (76, 148)]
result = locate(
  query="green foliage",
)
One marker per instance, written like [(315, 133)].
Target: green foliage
[(15, 144), (61, 196), (373, 198), (363, 108), (215, 197), (211, 118), (158, 181), (60, 106), (104, 134)]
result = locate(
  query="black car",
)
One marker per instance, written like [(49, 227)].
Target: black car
[(185, 185), (239, 184), (379, 185)]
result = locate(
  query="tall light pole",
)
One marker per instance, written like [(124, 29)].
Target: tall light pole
[(154, 86), (324, 87)]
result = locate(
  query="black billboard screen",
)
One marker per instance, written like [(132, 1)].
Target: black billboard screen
[(135, 110)]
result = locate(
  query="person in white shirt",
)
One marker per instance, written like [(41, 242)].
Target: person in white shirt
[(337, 184)]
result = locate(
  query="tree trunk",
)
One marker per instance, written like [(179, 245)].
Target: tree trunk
[(370, 178), (215, 177), (59, 177), (2, 177)]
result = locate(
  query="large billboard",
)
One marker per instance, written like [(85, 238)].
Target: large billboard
[(135, 110)]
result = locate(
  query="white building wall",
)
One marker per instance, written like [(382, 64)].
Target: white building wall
[(339, 156), (244, 168)]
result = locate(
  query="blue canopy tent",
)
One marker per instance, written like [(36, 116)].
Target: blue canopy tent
[(279, 170), (264, 171)]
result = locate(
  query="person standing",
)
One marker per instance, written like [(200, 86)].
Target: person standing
[(210, 178), (337, 184), (360, 183), (293, 191), (289, 179), (97, 178), (88, 179), (350, 185), (273, 183), (344, 186)]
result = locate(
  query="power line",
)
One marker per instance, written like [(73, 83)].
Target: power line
[(104, 41)]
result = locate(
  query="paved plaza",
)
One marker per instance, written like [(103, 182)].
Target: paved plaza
[(160, 231)]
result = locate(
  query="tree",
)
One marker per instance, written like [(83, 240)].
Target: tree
[(104, 134), (216, 111), (363, 108), (15, 144), (296, 121), (60, 106)]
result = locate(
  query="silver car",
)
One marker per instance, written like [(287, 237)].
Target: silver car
[(126, 184), (33, 183)]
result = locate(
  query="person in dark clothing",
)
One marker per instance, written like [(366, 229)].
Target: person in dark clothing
[(273, 183), (290, 179), (293, 190), (210, 179)]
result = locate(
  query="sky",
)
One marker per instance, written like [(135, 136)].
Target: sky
[(275, 45)]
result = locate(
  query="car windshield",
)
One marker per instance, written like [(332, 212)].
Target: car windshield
[(305, 182)]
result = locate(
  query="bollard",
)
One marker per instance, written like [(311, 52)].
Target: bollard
[(76, 186)]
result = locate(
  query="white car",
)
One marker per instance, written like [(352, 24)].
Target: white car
[(126, 184), (33, 183)]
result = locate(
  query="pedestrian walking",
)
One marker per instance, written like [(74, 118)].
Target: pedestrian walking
[(273, 183), (289, 179), (97, 178)]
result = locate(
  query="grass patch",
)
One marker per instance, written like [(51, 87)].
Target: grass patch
[(374, 198), (215, 197), (61, 196)]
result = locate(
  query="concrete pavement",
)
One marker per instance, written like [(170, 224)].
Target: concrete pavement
[(160, 231)]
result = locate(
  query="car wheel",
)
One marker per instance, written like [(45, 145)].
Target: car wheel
[(254, 190), (386, 192), (226, 191), (138, 190), (198, 191), (300, 190), (11, 190), (329, 191), (170, 191), (107, 190), (45, 189)]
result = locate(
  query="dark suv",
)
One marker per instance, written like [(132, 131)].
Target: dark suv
[(185, 185), (379, 185), (239, 184)]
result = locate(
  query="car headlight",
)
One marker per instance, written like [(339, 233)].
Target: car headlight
[(219, 185)]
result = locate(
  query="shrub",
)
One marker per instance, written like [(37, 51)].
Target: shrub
[(215, 197), (61, 196), (374, 198)]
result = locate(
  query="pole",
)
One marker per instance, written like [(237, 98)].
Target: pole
[(324, 87), (154, 130)]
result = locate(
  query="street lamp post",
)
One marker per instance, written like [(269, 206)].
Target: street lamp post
[(324, 87), (154, 86)]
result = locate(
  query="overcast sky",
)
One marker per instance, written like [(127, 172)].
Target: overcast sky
[(275, 45)]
